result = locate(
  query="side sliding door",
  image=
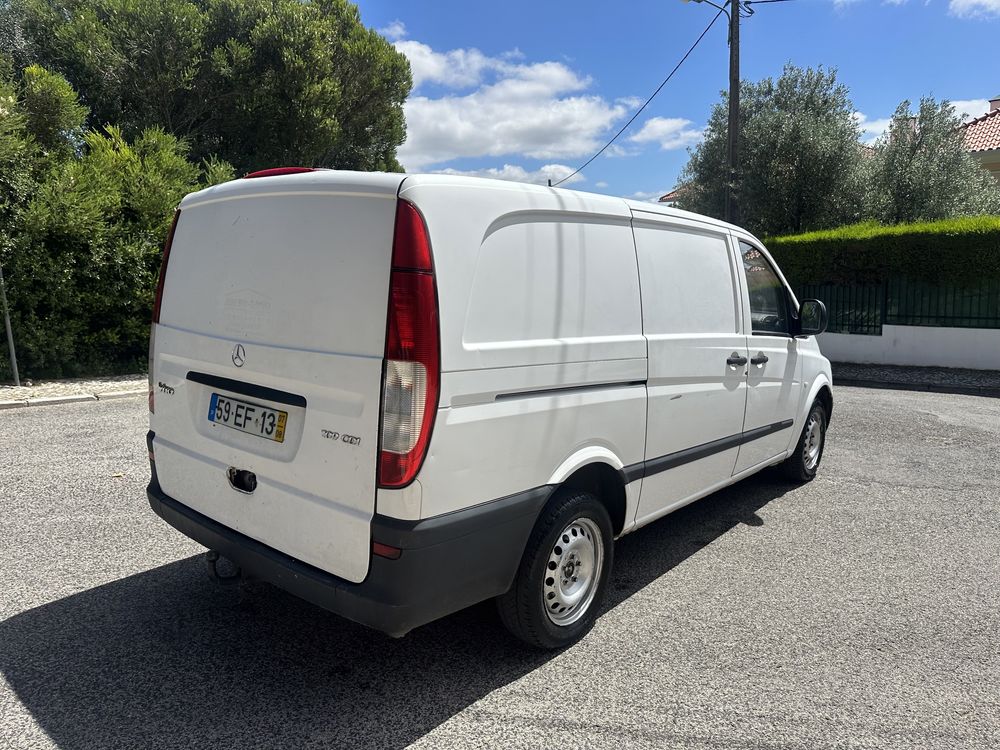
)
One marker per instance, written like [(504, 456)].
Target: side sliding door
[(693, 321)]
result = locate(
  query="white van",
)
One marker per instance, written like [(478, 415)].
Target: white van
[(399, 395)]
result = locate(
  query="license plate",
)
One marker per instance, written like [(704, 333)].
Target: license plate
[(252, 419)]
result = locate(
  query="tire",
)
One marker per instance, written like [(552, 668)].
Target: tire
[(804, 462), (547, 606)]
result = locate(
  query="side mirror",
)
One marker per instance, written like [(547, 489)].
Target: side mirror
[(812, 317)]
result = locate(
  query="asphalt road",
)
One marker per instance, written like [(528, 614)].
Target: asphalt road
[(859, 611)]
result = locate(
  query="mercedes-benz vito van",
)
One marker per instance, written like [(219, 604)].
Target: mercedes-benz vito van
[(399, 395)]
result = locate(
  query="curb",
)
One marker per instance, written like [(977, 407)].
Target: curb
[(119, 394), (77, 398), (962, 390), (52, 400)]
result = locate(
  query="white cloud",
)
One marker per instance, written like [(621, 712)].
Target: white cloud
[(669, 132), (502, 106), (394, 31), (457, 68), (632, 102), (601, 184), (974, 8), (967, 109), (537, 110), (517, 173), (616, 150), (871, 129), (648, 197)]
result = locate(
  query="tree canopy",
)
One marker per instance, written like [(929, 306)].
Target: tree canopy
[(254, 82), (802, 165), (798, 161), (112, 110), (83, 214), (920, 170)]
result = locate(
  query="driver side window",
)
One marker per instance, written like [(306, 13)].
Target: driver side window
[(768, 299)]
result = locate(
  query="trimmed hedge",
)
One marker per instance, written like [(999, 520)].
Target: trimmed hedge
[(952, 251)]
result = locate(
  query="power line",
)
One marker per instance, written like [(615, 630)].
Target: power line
[(651, 97), (749, 11)]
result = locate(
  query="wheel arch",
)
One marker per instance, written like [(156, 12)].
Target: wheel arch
[(600, 472), (824, 394)]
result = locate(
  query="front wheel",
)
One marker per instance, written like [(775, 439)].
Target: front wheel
[(803, 464), (560, 583)]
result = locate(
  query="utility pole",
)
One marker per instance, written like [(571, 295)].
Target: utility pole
[(732, 198), (732, 208), (10, 336)]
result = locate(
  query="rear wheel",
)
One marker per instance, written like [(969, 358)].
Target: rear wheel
[(560, 583), (803, 464)]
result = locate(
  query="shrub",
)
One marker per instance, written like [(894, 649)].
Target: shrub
[(951, 251)]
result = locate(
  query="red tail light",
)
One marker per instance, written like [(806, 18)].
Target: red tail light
[(412, 378), (158, 300), (163, 267)]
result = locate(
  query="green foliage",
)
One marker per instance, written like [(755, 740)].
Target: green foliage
[(85, 221), (255, 82), (172, 94), (959, 251), (921, 171), (55, 116), (215, 171), (802, 166), (799, 155), (17, 155), (15, 50)]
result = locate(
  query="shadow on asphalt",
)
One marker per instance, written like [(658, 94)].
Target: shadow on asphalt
[(166, 658)]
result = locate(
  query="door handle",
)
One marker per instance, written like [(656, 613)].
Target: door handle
[(735, 360), (760, 359)]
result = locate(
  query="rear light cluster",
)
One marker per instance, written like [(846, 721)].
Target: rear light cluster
[(412, 378), (158, 300)]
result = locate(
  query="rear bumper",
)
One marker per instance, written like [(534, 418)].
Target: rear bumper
[(448, 562)]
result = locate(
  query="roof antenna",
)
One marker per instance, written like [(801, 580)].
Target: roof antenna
[(550, 182)]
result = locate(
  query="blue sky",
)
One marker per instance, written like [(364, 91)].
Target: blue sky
[(530, 90)]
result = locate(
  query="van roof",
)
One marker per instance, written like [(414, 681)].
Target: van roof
[(391, 182), (591, 201)]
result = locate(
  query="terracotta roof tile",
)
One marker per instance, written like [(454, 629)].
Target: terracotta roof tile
[(983, 133), (672, 195)]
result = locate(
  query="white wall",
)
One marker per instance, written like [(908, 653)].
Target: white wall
[(973, 348)]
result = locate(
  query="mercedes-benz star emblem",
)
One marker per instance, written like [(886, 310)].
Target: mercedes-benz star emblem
[(239, 355)]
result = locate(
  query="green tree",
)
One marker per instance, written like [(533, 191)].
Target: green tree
[(18, 153), (15, 52), (84, 266), (255, 82), (921, 171), (82, 221), (799, 165), (55, 115)]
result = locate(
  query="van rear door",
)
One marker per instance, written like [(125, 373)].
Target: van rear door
[(267, 360)]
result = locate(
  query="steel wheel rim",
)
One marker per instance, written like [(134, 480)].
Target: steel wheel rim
[(572, 572), (812, 446)]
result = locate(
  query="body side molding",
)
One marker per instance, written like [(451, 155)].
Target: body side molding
[(652, 466)]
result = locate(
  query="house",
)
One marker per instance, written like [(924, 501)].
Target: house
[(670, 198), (982, 137)]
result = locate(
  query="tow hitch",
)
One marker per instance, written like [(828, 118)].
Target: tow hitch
[(231, 573)]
